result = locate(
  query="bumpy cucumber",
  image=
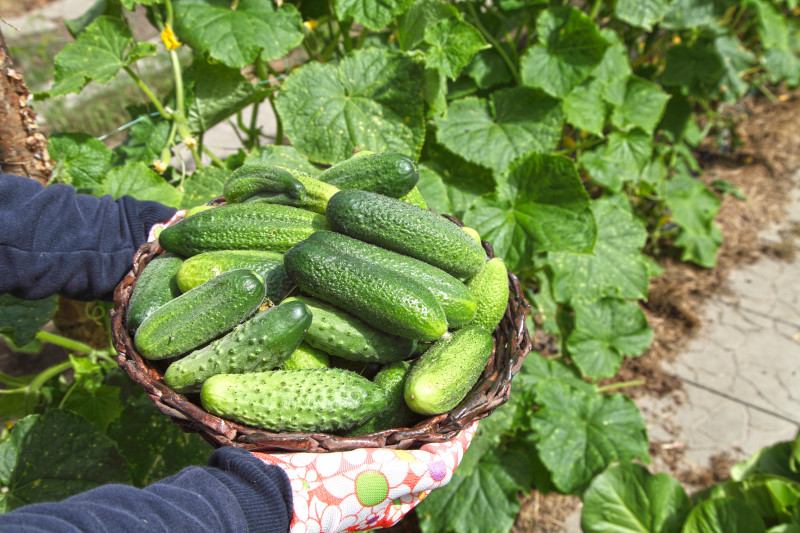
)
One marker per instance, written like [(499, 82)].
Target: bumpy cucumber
[(263, 342), (323, 399), (155, 286), (386, 173), (317, 192), (305, 357), (456, 300), (393, 304), (339, 333), (397, 415), (199, 315), (406, 229), (269, 265), (490, 288), (248, 226), (446, 372), (264, 183)]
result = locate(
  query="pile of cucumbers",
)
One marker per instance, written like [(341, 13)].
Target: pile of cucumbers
[(335, 303)]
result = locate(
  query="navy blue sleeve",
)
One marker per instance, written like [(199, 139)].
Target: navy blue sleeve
[(56, 241), (237, 492)]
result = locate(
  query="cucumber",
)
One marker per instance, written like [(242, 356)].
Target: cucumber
[(248, 226), (391, 303), (339, 333), (197, 209), (199, 315), (306, 356), (264, 183), (406, 229), (321, 399), (445, 373), (317, 192), (263, 342), (269, 265), (386, 173), (155, 286), (415, 198), (397, 415), (472, 232), (455, 299), (490, 288)]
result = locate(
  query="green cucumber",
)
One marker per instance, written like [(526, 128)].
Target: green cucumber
[(472, 232), (317, 192), (406, 229), (445, 373), (306, 356), (320, 399), (154, 287), (248, 226), (415, 198), (391, 303), (269, 265), (263, 183), (339, 333), (197, 209), (386, 173), (200, 315), (397, 415), (456, 300), (490, 288), (262, 342)]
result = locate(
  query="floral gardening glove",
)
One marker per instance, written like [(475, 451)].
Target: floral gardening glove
[(367, 488)]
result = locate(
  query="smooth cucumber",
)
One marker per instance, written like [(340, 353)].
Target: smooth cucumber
[(391, 303), (306, 356), (156, 285), (445, 373), (386, 173), (269, 265), (262, 342), (323, 399), (247, 226), (456, 300), (397, 415), (405, 229), (266, 183), (490, 288), (339, 333), (199, 315)]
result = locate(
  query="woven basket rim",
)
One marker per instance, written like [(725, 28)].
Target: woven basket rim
[(512, 344)]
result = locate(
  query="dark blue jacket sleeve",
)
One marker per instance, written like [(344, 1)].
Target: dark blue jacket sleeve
[(55, 241), (237, 492)]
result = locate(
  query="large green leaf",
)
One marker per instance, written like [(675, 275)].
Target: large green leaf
[(99, 405), (723, 515), (281, 155), (605, 332), (203, 186), (146, 139), (111, 8), (641, 13), (615, 268), (488, 69), (492, 133), (136, 180), (775, 460), (372, 101), (369, 13), (642, 107), (97, 54), (81, 160), (693, 208), (615, 64), (236, 37), (412, 25), (695, 65), (537, 369), (451, 182), (585, 108), (775, 499), (22, 319), (540, 205), (688, 14), (570, 46), (56, 455), (627, 498), (451, 45), (581, 433)]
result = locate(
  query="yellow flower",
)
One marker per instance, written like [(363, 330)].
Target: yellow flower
[(159, 165), (170, 41), (311, 24)]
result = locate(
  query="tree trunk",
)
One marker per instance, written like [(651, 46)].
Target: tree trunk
[(23, 149)]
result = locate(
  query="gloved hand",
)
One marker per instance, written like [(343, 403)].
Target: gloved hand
[(367, 488), (156, 228)]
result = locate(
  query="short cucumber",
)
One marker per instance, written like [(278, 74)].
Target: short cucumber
[(490, 288), (262, 342), (156, 285), (406, 229), (321, 399), (306, 356), (199, 315), (269, 265), (339, 333), (445, 373), (391, 303), (265, 183), (386, 173), (397, 415), (456, 300), (248, 226), (472, 232), (317, 192)]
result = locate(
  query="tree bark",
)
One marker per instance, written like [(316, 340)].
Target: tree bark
[(23, 149)]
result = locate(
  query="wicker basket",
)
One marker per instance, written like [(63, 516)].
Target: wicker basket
[(512, 344)]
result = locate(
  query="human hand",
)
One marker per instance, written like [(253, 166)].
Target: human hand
[(366, 488)]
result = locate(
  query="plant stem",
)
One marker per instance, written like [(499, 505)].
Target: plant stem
[(345, 29), (149, 93), (279, 123), (64, 342), (621, 385), (214, 159), (494, 42), (33, 388), (595, 8), (170, 12)]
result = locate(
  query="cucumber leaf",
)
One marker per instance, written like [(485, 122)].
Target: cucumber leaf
[(642, 107), (693, 208), (723, 515), (21, 320), (641, 13), (136, 180), (81, 160), (412, 25), (282, 156), (452, 183), (775, 460), (372, 101), (203, 186), (774, 498), (99, 405), (585, 108), (145, 140), (451, 45)]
